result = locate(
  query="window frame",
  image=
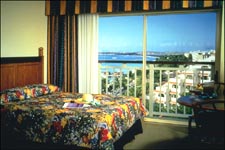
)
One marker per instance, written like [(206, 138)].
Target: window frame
[(205, 10), (146, 14)]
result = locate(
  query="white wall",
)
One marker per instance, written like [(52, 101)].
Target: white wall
[(23, 29)]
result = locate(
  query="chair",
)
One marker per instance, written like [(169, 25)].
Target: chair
[(209, 123)]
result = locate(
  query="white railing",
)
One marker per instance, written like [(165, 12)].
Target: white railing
[(164, 85)]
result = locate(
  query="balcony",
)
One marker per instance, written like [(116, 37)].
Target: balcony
[(161, 85)]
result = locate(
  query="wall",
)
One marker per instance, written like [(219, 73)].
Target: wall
[(222, 52), (23, 29)]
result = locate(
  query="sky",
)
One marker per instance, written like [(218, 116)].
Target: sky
[(168, 32)]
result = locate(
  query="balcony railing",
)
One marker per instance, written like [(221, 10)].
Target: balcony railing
[(164, 83)]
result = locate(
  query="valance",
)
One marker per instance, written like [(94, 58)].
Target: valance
[(71, 7)]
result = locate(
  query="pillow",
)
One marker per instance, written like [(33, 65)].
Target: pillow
[(14, 94), (36, 90), (26, 92)]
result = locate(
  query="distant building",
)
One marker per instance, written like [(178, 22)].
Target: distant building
[(186, 79)]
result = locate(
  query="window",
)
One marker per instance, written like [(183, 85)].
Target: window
[(120, 37), (189, 77), (174, 86), (169, 37), (162, 95), (167, 34), (181, 33)]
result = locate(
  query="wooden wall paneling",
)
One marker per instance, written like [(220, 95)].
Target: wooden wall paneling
[(7, 76), (28, 73), (21, 71)]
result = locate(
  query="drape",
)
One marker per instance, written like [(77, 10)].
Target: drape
[(88, 53), (68, 7), (62, 52), (62, 43)]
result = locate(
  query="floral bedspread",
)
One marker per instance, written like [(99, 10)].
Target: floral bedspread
[(88, 120)]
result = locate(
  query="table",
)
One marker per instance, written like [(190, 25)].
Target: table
[(208, 116), (208, 104)]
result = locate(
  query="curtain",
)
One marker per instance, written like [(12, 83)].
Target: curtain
[(63, 42), (88, 53), (62, 52), (63, 7)]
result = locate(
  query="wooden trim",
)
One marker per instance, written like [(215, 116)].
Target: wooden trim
[(40, 51), (41, 65), (9, 60)]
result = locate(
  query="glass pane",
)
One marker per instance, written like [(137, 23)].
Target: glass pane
[(120, 39), (179, 33), (119, 35)]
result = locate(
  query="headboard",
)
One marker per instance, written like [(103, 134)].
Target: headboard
[(20, 71)]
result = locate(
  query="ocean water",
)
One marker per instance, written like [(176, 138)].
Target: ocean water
[(116, 57), (124, 57)]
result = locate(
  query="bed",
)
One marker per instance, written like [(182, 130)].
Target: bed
[(44, 116)]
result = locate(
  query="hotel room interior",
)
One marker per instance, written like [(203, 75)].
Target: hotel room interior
[(29, 29)]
